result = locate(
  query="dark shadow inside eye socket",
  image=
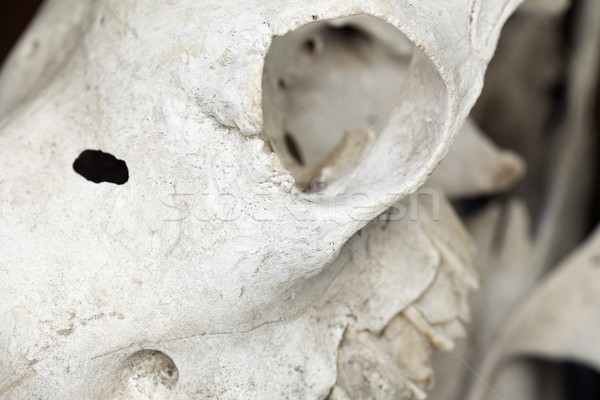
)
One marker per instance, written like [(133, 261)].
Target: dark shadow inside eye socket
[(97, 166), (293, 148)]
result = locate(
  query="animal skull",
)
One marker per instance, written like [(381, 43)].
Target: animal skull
[(207, 272)]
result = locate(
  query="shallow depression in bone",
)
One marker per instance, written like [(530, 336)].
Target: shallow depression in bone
[(147, 374)]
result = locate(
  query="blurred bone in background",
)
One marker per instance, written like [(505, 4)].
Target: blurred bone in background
[(535, 333)]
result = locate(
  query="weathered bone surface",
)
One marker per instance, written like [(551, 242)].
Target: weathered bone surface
[(505, 254), (207, 272)]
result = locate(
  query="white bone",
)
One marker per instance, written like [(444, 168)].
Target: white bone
[(209, 273)]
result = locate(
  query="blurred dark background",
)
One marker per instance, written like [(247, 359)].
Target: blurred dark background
[(14, 17)]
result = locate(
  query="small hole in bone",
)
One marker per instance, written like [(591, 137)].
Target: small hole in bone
[(310, 46), (147, 374), (341, 78), (293, 148), (97, 166)]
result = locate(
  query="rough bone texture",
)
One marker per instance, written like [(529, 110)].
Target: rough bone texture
[(209, 273)]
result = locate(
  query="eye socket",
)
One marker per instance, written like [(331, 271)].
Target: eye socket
[(327, 90), (97, 166)]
